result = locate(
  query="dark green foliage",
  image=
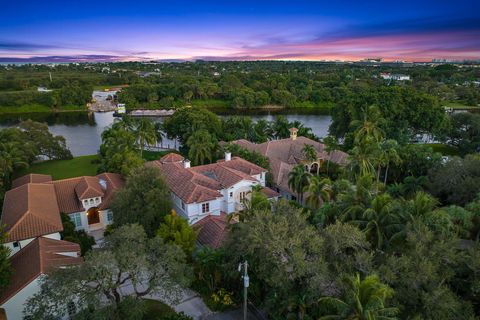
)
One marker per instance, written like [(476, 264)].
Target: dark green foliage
[(457, 181), (464, 132), (81, 237), (5, 268), (145, 200)]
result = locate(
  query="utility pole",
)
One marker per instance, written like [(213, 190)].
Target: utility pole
[(246, 283), (50, 76)]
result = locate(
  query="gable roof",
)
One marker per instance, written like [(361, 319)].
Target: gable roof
[(31, 178), (171, 157), (30, 211), (88, 187), (203, 183), (40, 256), (212, 230)]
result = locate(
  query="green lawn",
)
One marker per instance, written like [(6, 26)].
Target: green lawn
[(63, 169), (156, 310), (458, 105), (34, 108), (210, 103), (444, 149)]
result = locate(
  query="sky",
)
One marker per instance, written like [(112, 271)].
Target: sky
[(119, 30)]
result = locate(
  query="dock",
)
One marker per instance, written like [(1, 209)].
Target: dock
[(152, 113)]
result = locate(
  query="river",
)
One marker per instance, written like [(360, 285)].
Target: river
[(83, 131)]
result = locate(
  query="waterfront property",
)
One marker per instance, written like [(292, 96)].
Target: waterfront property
[(210, 189), (285, 154), (32, 207)]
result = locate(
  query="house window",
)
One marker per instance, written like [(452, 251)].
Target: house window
[(243, 195), (91, 201), (76, 219), (231, 194), (16, 244), (183, 205), (109, 216), (205, 207), (97, 200), (85, 202)]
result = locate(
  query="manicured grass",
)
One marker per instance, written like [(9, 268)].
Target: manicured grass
[(458, 105), (210, 103), (444, 149), (63, 169), (156, 310), (37, 108)]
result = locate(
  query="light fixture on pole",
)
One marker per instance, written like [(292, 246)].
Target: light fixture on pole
[(246, 283)]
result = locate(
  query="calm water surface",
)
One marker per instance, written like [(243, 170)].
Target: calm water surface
[(83, 131)]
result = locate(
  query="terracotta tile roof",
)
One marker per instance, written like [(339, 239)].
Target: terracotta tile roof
[(171, 157), (31, 178), (202, 183), (88, 187), (30, 211), (212, 230), (114, 183), (284, 154), (270, 193), (187, 185), (40, 256), (67, 191)]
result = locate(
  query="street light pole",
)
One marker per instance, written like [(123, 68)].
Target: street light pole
[(246, 283)]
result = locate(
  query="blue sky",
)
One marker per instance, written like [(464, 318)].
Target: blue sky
[(310, 30)]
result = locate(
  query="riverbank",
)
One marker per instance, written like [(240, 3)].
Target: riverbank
[(39, 109)]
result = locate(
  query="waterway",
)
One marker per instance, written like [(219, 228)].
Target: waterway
[(82, 131)]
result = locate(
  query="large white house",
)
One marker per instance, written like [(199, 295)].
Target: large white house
[(31, 216), (30, 264), (32, 208), (210, 189)]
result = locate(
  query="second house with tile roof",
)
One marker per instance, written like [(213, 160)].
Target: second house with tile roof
[(211, 189), (32, 208)]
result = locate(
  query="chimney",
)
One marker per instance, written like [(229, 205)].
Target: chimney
[(293, 133), (228, 156), (186, 163)]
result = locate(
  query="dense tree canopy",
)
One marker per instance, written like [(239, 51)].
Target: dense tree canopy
[(145, 200)]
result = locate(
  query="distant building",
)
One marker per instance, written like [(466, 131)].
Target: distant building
[(395, 76), (43, 89), (121, 109)]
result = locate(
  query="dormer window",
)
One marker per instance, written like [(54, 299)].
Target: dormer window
[(85, 202), (97, 200), (91, 201)]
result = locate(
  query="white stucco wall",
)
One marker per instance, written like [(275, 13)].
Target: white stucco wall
[(23, 243), (14, 306)]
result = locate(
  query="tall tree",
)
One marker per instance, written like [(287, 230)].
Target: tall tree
[(318, 190), (175, 229), (128, 258), (201, 147), (298, 179), (364, 299), (145, 133), (145, 199)]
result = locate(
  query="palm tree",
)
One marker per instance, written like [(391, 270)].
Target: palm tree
[(10, 159), (318, 190), (367, 129), (388, 155), (263, 131), (145, 133), (331, 145), (159, 133), (362, 300), (381, 222), (309, 152), (281, 127), (201, 147), (298, 178)]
